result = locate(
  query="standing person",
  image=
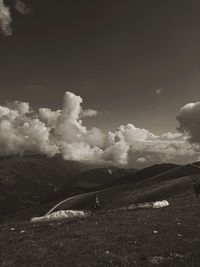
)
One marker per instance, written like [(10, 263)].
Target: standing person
[(196, 187), (97, 202), (96, 205)]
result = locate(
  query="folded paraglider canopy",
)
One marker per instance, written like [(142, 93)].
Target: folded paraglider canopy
[(62, 214)]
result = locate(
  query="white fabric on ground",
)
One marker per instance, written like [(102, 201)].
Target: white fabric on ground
[(143, 205), (160, 204), (62, 214)]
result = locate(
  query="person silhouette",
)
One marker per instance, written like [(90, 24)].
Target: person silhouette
[(196, 187), (96, 205)]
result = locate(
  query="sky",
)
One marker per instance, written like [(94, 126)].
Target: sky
[(135, 62)]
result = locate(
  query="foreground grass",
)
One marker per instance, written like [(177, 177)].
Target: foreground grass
[(131, 238)]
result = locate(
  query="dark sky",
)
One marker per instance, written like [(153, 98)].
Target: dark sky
[(113, 53)]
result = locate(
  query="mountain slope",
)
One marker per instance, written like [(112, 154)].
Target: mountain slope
[(166, 185), (148, 172), (102, 177), (167, 236), (30, 180)]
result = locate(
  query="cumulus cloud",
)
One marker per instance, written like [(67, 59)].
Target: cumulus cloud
[(6, 17), (49, 117), (140, 144), (21, 107), (189, 121), (175, 149), (46, 131), (117, 153)]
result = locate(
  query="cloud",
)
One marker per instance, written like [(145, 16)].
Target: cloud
[(24, 130), (141, 160), (158, 91), (189, 121), (74, 140), (21, 107), (21, 7), (117, 153), (49, 117), (140, 143), (6, 17), (89, 113)]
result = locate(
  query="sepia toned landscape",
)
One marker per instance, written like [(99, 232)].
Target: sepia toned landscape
[(99, 133)]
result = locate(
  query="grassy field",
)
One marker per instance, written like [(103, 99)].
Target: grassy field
[(168, 237), (164, 237)]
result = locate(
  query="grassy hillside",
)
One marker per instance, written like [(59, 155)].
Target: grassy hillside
[(168, 236), (103, 177), (38, 183), (32, 180), (127, 194), (151, 171), (162, 186)]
